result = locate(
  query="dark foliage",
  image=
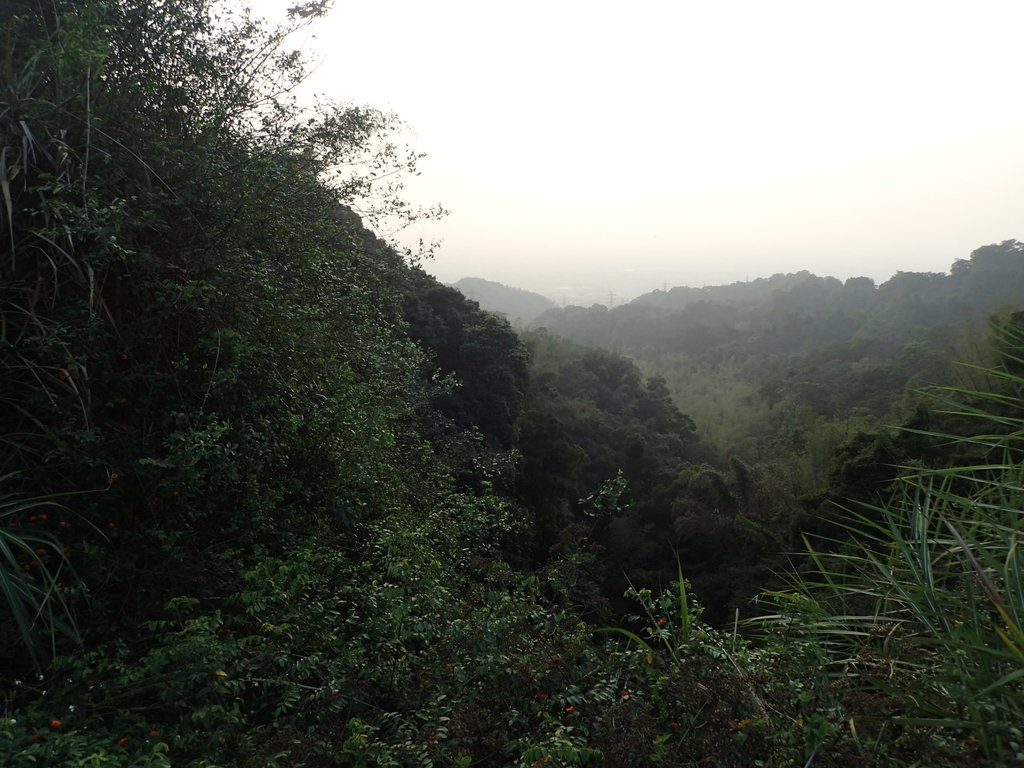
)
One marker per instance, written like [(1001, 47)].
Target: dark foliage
[(259, 477)]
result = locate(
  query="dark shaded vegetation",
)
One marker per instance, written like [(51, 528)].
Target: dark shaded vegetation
[(591, 414), (270, 495)]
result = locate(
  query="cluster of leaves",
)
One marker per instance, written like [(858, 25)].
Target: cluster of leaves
[(397, 654)]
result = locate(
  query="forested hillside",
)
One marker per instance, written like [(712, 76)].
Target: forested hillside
[(520, 307), (271, 495), (795, 364)]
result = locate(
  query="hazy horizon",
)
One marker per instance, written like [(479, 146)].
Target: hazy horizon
[(627, 283), (692, 144)]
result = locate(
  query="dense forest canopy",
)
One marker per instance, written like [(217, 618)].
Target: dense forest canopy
[(271, 495), (794, 362)]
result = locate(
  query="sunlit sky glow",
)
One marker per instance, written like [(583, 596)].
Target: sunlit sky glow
[(589, 147)]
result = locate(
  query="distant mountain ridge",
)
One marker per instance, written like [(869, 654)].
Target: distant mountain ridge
[(519, 306), (757, 358), (759, 311)]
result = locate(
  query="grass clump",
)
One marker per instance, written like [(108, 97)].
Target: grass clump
[(920, 608)]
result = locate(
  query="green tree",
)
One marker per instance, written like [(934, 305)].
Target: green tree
[(195, 334)]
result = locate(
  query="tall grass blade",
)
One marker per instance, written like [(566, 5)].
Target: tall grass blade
[(29, 587), (926, 599), (685, 618)]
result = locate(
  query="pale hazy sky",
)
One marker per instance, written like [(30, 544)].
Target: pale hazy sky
[(693, 143)]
